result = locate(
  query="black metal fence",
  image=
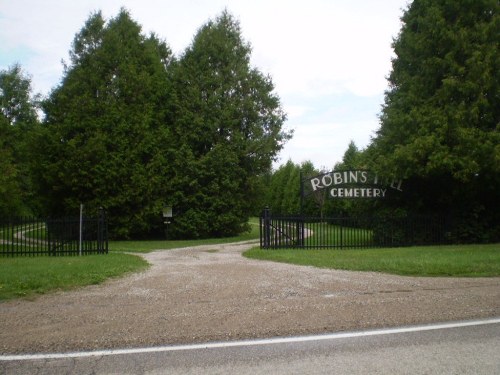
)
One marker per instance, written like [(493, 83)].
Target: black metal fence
[(278, 231), (55, 237)]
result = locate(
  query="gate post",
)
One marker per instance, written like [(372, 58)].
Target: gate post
[(300, 231), (266, 229)]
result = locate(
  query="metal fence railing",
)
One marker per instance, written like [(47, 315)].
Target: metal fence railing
[(28, 236), (278, 231)]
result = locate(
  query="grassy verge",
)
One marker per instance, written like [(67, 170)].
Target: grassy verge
[(459, 260), (28, 277), (148, 246)]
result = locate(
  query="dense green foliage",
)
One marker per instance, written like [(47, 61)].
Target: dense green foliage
[(106, 137), (441, 113), (18, 121), (440, 122), (9, 187), (284, 189), (132, 129), (228, 122)]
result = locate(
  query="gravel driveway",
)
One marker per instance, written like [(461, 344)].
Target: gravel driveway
[(209, 293)]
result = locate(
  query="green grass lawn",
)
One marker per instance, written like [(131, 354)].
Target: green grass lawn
[(31, 276), (457, 260)]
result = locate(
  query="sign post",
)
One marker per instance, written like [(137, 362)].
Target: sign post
[(167, 215)]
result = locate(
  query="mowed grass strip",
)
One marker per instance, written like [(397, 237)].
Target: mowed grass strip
[(31, 276), (455, 260)]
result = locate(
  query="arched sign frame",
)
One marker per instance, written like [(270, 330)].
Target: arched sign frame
[(348, 184)]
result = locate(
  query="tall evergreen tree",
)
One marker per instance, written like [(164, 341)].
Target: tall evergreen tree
[(10, 191), (18, 121), (352, 158), (229, 121), (440, 122), (107, 142), (279, 186), (284, 190), (17, 102)]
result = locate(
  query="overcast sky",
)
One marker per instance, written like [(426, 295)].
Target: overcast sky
[(328, 59)]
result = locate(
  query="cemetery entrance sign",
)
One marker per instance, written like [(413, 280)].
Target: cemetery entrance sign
[(349, 184), (346, 231)]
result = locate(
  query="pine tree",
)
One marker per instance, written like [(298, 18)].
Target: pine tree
[(108, 140), (440, 122), (226, 114), (18, 122)]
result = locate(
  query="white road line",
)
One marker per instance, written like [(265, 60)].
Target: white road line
[(232, 344)]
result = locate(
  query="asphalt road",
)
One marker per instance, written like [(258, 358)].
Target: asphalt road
[(464, 348)]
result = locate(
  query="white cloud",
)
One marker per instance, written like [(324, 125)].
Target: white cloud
[(325, 143), (296, 111)]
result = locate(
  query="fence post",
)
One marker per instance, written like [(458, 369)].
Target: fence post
[(342, 223), (80, 231), (266, 229), (101, 232), (300, 231), (50, 237)]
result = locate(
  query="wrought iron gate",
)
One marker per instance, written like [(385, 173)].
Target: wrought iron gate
[(278, 231)]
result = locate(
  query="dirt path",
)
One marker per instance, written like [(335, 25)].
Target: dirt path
[(212, 293)]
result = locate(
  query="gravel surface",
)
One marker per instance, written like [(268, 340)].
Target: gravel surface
[(211, 292)]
